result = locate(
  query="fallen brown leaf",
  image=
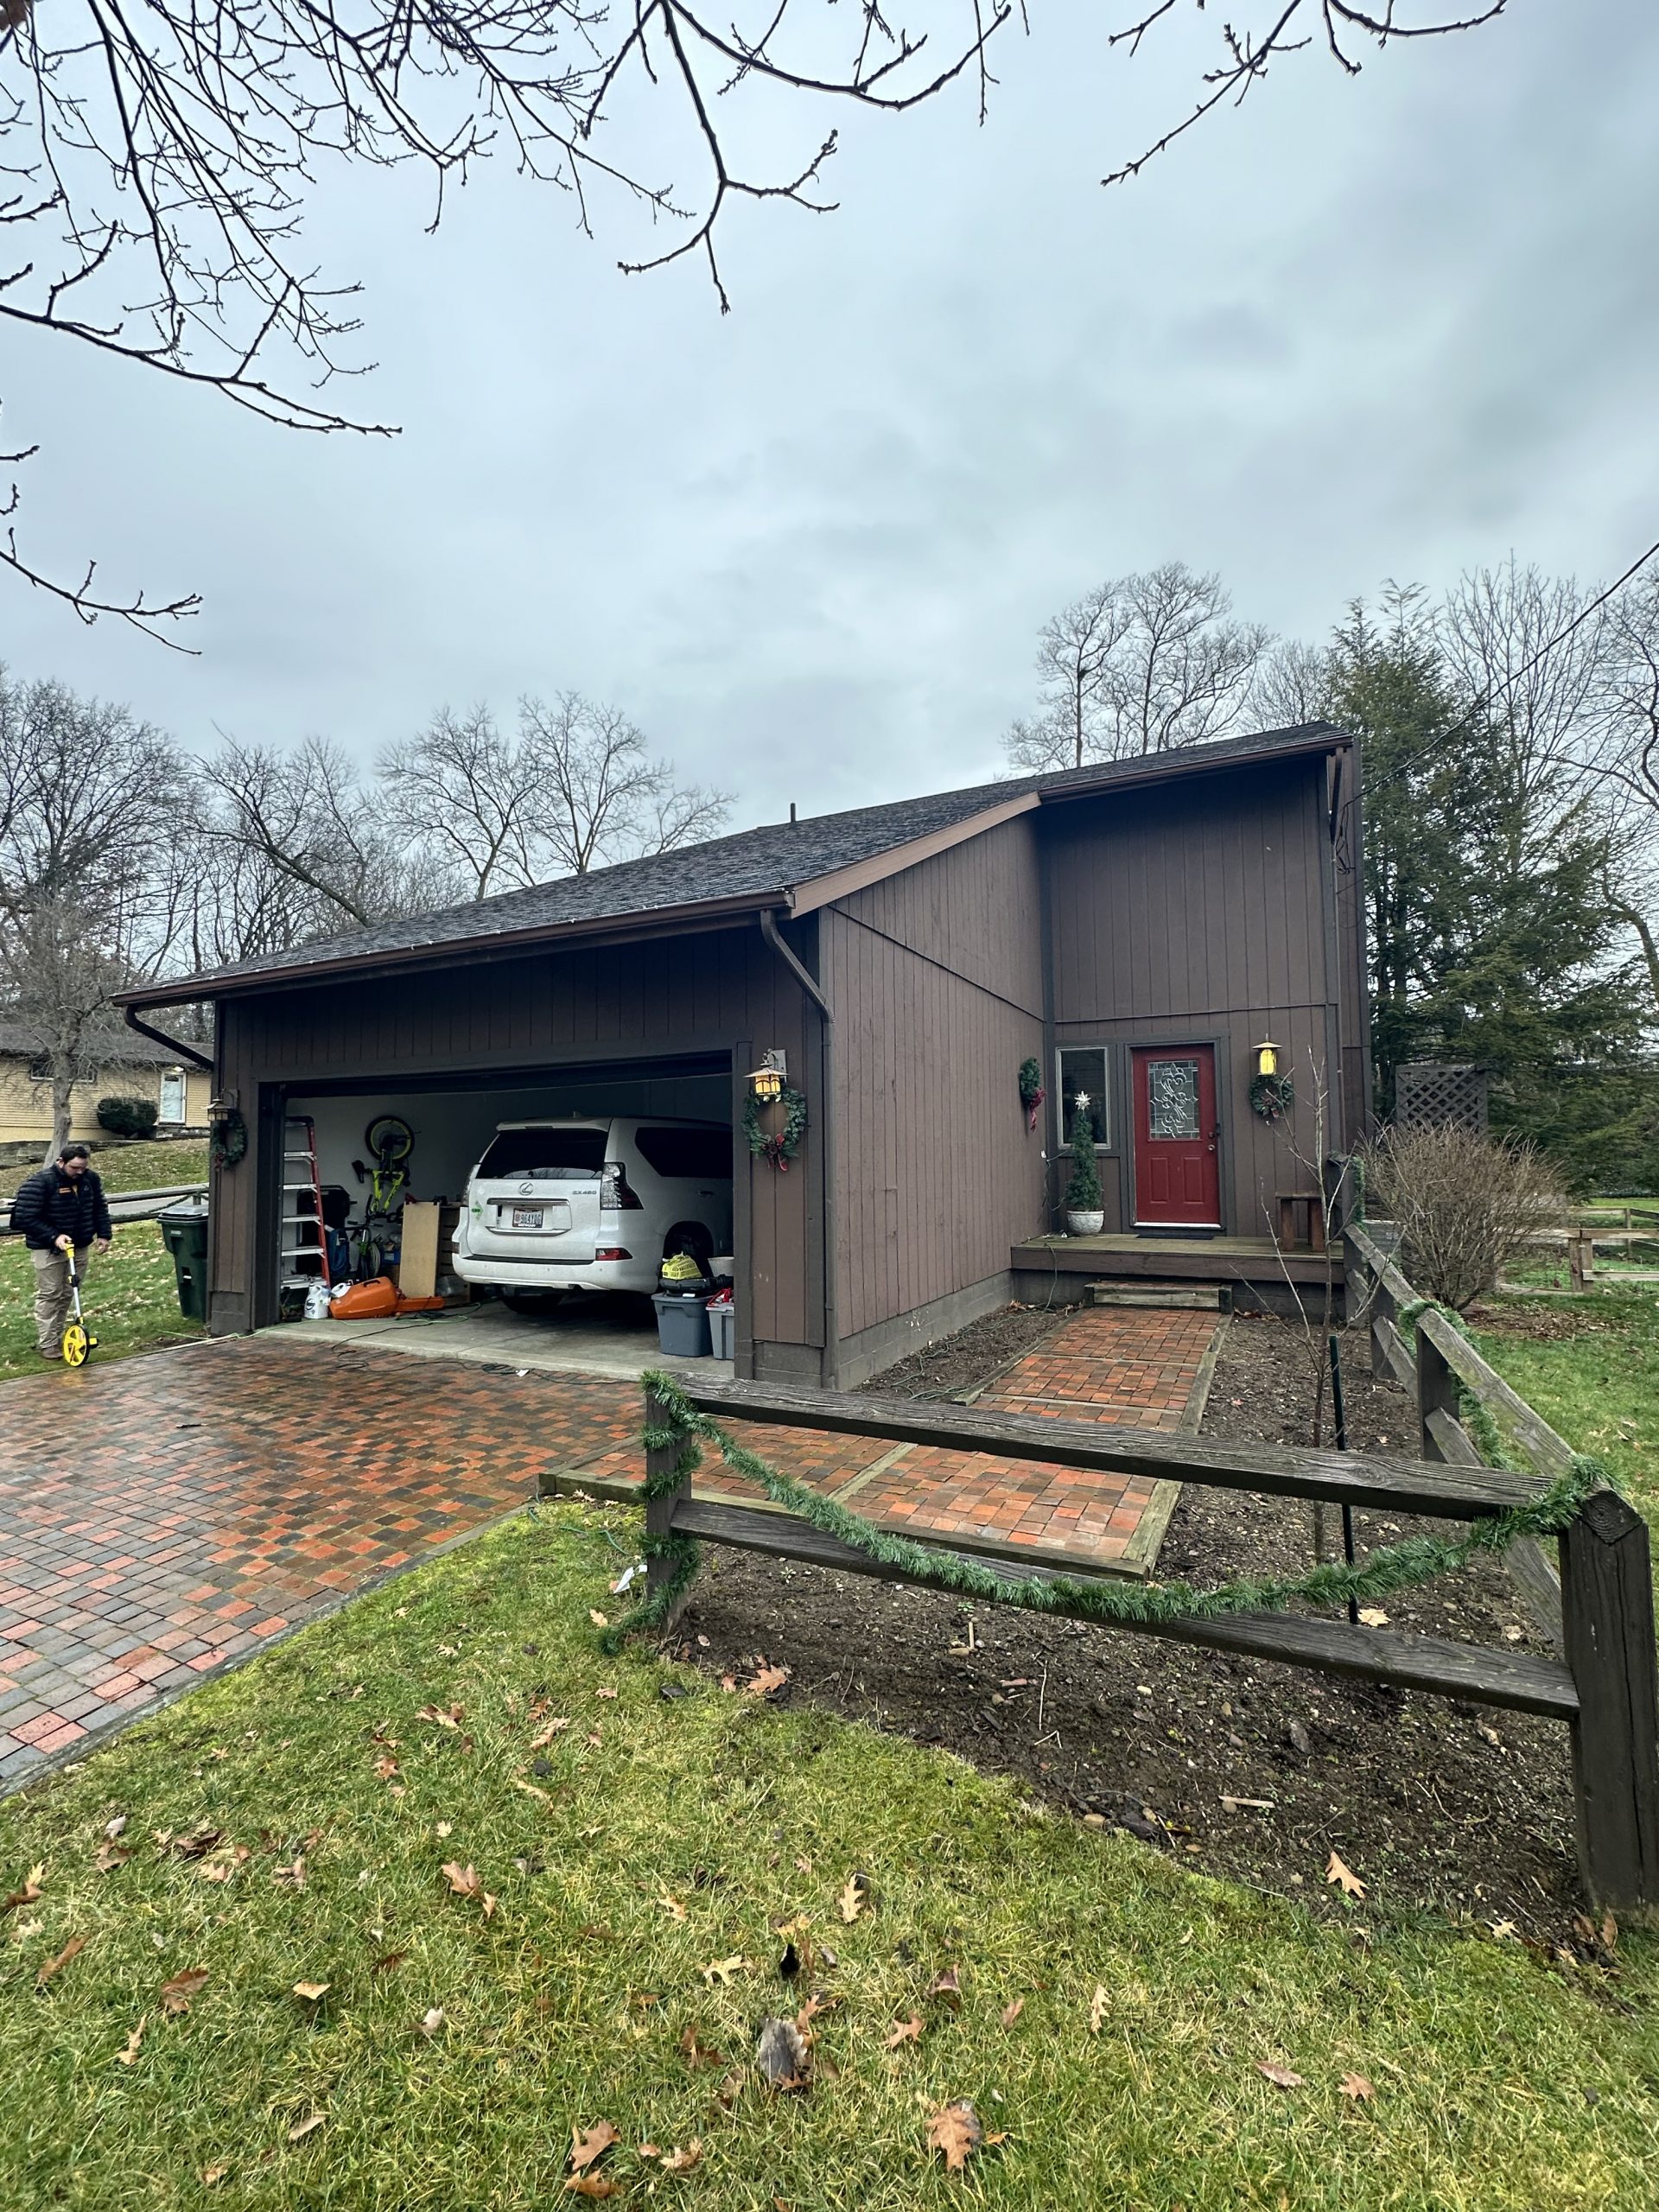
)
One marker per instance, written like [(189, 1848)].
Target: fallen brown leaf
[(599, 1620), (1280, 2077), (34, 1882), (445, 1716), (588, 2143), (766, 1681), (387, 1961), (696, 2052), (539, 1742), (947, 1987), (672, 1906), (1097, 2009), (211, 2175), (1350, 1883), (177, 1994), (954, 2130), (110, 1856), (311, 1991), (853, 1898), (681, 2160), (1356, 2086), (722, 1970), (463, 1880), (128, 2052), (386, 1766), (908, 2030), (75, 1945), (432, 2020), (294, 1872), (1011, 2013), (308, 2125), (592, 2184), (1373, 1617), (729, 2089)]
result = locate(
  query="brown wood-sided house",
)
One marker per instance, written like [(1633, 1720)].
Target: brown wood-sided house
[(1138, 928)]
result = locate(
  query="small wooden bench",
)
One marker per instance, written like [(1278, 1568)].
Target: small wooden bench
[(1301, 1220)]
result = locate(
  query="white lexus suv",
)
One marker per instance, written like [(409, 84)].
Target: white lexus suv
[(586, 1204)]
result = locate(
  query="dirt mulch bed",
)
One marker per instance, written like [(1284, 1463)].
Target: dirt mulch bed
[(1441, 1806)]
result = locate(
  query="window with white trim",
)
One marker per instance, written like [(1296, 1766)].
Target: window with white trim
[(1083, 1073)]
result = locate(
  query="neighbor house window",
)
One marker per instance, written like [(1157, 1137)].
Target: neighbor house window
[(40, 1070), (1082, 1074)]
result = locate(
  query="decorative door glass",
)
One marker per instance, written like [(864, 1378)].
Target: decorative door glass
[(1173, 1098)]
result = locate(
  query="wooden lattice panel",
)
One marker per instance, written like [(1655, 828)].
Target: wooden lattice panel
[(1430, 1094)]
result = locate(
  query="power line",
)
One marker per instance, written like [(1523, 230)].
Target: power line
[(1462, 729)]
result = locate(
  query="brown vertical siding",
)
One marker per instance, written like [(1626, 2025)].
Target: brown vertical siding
[(1209, 910), (936, 978), (695, 993)]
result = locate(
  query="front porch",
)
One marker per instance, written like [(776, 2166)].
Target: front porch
[(1252, 1267)]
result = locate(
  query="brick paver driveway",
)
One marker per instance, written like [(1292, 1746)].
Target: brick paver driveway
[(162, 1516), (165, 1517)]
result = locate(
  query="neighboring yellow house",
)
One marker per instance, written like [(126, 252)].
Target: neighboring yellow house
[(136, 1069)]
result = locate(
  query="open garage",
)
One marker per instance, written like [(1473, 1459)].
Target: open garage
[(385, 1158)]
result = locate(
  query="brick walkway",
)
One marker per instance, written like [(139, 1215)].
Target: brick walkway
[(165, 1517), (1136, 1366)]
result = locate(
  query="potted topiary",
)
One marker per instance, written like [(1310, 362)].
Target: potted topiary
[(1084, 1216)]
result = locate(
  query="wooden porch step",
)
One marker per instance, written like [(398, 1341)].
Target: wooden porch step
[(1210, 1297)]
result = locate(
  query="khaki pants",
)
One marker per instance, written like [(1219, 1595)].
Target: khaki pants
[(51, 1296)]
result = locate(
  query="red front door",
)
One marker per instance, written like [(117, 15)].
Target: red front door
[(1177, 1167)]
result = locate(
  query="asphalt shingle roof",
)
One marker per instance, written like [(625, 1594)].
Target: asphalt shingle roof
[(755, 864)]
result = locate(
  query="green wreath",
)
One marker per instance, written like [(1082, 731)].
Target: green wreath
[(230, 1139), (1272, 1096), (781, 1148)]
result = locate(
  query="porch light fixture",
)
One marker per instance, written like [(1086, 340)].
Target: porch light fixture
[(767, 1081), (1267, 1058)]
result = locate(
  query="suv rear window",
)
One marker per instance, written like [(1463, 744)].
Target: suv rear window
[(546, 1155), (700, 1156)]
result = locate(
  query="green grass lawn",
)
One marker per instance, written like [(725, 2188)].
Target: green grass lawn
[(131, 1299), (648, 1859), (152, 1166), (1599, 1386)]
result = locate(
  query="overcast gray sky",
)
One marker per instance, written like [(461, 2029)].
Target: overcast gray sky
[(1391, 326)]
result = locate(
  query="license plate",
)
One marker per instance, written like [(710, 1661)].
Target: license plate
[(527, 1216)]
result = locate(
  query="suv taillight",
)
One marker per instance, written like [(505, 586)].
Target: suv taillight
[(614, 1196)]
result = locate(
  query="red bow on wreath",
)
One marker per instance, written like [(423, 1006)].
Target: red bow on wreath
[(1033, 1106)]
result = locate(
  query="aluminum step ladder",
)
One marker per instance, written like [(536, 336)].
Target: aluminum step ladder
[(304, 1237)]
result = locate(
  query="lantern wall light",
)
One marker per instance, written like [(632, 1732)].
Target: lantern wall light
[(1267, 1058)]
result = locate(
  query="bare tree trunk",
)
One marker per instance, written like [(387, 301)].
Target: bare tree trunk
[(63, 1077)]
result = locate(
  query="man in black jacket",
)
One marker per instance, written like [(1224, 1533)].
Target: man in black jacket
[(60, 1210)]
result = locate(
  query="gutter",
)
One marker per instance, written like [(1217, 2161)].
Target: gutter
[(831, 1246), (160, 1037)]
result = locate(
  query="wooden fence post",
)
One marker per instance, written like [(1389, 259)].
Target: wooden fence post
[(1355, 1274), (1438, 1391), (660, 1462), (1580, 1259), (1608, 1634)]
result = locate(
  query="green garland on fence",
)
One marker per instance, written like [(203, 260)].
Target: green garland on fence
[(1395, 1567), (781, 1148)]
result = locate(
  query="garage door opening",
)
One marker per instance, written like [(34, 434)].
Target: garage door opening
[(524, 1218)]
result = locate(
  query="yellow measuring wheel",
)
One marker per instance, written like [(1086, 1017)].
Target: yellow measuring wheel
[(78, 1339)]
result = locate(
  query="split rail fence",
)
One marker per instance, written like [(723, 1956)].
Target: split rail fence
[(1603, 1687)]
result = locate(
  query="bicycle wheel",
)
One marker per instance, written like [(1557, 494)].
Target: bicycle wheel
[(389, 1138), (76, 1345)]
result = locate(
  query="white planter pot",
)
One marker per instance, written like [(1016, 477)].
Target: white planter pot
[(1084, 1224)]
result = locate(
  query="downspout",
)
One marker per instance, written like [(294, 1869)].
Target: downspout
[(809, 983), (173, 1044)]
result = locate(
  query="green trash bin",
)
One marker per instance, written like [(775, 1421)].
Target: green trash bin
[(184, 1232)]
